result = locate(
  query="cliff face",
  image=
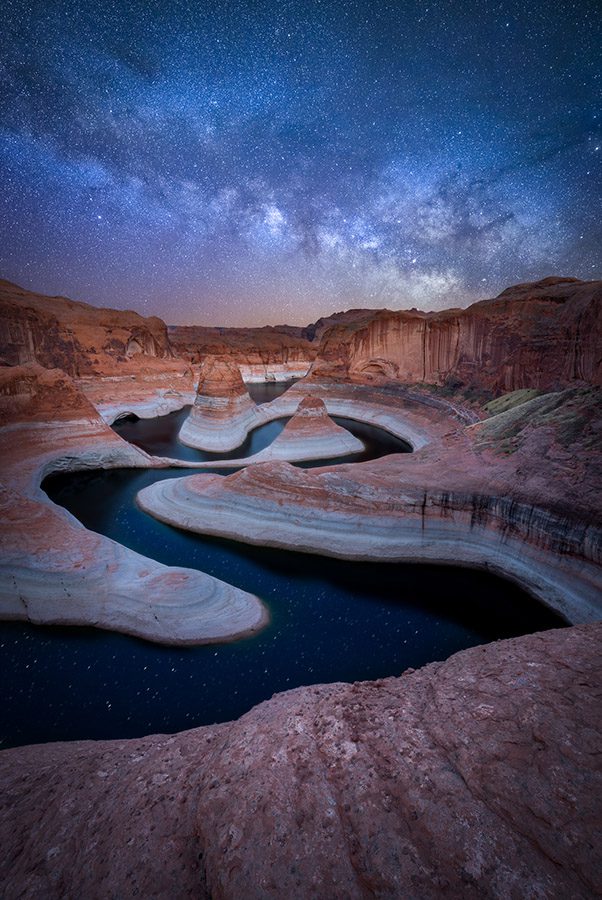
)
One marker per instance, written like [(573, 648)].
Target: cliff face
[(80, 339), (248, 346), (476, 777), (542, 335)]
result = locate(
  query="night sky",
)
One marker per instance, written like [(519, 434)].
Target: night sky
[(248, 163)]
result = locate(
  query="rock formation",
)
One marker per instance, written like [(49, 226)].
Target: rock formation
[(311, 434), (223, 413), (262, 354), (503, 495), (80, 339), (52, 569), (122, 361), (542, 335), (473, 777), (476, 777)]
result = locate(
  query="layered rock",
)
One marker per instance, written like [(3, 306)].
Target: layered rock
[(263, 354), (309, 435), (145, 394), (472, 496), (542, 335), (122, 361), (223, 413), (54, 571), (80, 339), (475, 777), (274, 372)]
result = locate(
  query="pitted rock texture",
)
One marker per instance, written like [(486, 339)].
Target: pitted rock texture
[(476, 777)]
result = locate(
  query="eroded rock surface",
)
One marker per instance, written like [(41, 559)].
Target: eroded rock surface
[(310, 434), (268, 353), (520, 493), (543, 335), (223, 411), (52, 569), (476, 777), (76, 337), (122, 361)]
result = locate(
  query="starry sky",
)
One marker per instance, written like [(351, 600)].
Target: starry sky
[(239, 163)]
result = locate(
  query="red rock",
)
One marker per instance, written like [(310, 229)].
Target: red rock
[(543, 335), (76, 337), (55, 571), (502, 494), (477, 777), (223, 411), (33, 393), (250, 347)]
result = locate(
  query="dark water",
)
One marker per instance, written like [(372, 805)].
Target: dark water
[(265, 391), (160, 437), (331, 621)]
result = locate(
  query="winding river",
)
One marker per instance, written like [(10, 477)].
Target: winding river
[(331, 620)]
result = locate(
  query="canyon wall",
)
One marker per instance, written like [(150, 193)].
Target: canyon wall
[(263, 354), (543, 335), (80, 339)]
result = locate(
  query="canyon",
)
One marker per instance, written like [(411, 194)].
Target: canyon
[(471, 777)]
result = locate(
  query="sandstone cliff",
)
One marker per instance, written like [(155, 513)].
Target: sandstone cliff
[(80, 339), (34, 394), (542, 335), (476, 777), (248, 346)]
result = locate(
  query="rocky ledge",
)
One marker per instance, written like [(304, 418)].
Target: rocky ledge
[(52, 569), (476, 777), (468, 496)]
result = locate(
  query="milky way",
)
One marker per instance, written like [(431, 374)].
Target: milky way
[(242, 163)]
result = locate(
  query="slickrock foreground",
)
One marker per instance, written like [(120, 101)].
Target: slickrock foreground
[(55, 571), (476, 777), (543, 335)]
